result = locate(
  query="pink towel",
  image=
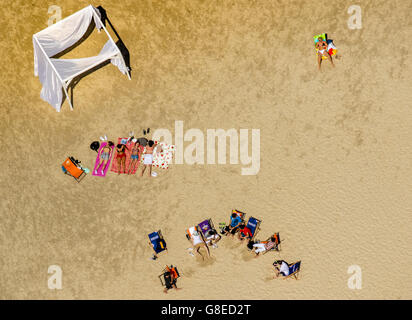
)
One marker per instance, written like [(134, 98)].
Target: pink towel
[(129, 145), (99, 172)]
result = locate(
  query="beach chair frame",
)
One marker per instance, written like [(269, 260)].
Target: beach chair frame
[(294, 274), (159, 232)]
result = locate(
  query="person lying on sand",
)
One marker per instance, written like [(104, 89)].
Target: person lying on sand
[(134, 156), (104, 156), (198, 242), (233, 227), (121, 156), (322, 48), (282, 268), (263, 247), (148, 157), (244, 232), (212, 237)]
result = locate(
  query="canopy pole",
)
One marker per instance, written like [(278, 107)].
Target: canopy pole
[(61, 80)]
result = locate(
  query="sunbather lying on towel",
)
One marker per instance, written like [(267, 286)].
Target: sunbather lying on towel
[(134, 157), (263, 247), (282, 268), (212, 237), (235, 222), (148, 157), (105, 155), (322, 48), (121, 156)]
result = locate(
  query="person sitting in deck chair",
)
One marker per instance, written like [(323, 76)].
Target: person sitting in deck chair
[(265, 246), (170, 277), (212, 237), (235, 222), (244, 232), (197, 240), (286, 270)]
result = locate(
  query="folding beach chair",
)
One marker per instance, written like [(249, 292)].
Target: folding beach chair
[(253, 224), (194, 231), (205, 226), (294, 269), (275, 248), (157, 242), (70, 166), (331, 47), (173, 271)]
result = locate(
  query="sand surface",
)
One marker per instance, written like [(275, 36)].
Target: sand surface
[(336, 150)]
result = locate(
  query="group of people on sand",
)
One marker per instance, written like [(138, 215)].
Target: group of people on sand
[(106, 153)]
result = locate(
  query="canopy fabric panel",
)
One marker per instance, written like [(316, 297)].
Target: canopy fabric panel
[(55, 74)]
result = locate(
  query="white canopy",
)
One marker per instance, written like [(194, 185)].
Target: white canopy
[(56, 74)]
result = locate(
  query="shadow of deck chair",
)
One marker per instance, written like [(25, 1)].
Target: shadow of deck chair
[(164, 279), (157, 243), (254, 225), (70, 167)]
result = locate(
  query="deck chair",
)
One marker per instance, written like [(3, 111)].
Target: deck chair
[(157, 242), (205, 226), (70, 167), (275, 248), (254, 225), (294, 269), (163, 279)]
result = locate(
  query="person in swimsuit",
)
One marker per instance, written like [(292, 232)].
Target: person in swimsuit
[(148, 157), (121, 156), (104, 156), (197, 240), (322, 48), (134, 156)]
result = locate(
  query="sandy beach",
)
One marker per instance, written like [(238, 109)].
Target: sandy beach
[(335, 151)]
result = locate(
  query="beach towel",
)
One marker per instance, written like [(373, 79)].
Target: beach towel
[(99, 173), (129, 145), (163, 159)]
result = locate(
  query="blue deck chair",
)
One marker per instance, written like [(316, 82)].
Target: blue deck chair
[(294, 269), (253, 224), (157, 242)]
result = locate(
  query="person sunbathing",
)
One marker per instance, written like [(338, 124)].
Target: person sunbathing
[(282, 268), (233, 227), (134, 156), (121, 156), (212, 237), (198, 242), (148, 157), (104, 157), (264, 246), (244, 232), (322, 48)]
